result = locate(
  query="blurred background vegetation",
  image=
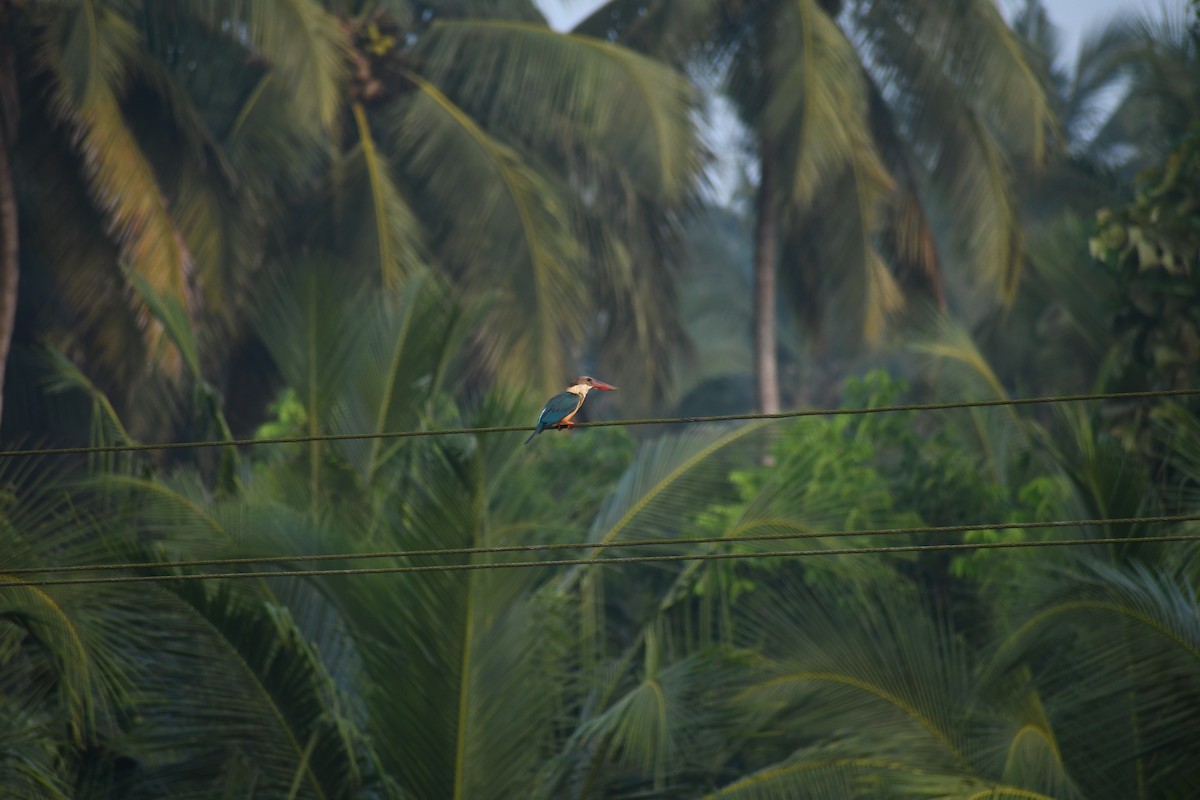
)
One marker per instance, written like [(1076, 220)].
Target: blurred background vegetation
[(263, 218)]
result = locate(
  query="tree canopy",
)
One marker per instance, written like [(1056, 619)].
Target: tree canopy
[(325, 223)]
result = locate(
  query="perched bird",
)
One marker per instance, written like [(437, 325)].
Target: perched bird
[(561, 407)]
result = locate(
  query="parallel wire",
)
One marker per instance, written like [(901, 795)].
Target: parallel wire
[(811, 412), (586, 562), (527, 548)]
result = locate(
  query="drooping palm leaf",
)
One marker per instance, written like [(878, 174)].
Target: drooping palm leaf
[(572, 91), (63, 376), (28, 754), (88, 56), (477, 644), (1158, 56), (304, 43), (864, 685), (1109, 482), (663, 490), (222, 678), (805, 98), (842, 235), (396, 233), (312, 339), (47, 626), (664, 727), (963, 371), (1113, 653), (498, 224), (960, 84)]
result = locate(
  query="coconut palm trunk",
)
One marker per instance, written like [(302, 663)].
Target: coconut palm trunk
[(9, 253), (766, 228)]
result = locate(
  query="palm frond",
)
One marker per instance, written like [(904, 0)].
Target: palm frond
[(1113, 649), (29, 754), (964, 371), (63, 376), (1077, 285), (816, 774), (1178, 429), (222, 213), (268, 137), (406, 361), (809, 104), (478, 644), (1157, 55), (862, 289), (500, 224), (617, 158), (304, 44), (312, 335), (1099, 64), (866, 687), (971, 45), (397, 235), (851, 658), (173, 317), (961, 86), (638, 327), (82, 263), (42, 618), (1024, 748), (234, 679), (87, 56), (660, 493), (1108, 480), (663, 729), (909, 242), (574, 92)]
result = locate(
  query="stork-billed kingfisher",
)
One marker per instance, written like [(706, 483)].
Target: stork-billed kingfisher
[(560, 408)]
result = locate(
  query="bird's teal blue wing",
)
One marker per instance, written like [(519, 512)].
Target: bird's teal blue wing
[(558, 407)]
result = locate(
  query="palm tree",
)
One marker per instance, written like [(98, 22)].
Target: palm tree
[(518, 690), (540, 169), (125, 169), (1074, 288), (761, 679), (1157, 58), (200, 145), (9, 248), (871, 121), (109, 692)]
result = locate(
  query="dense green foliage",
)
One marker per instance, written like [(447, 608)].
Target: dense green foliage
[(414, 221)]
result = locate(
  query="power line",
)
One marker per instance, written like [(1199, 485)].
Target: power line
[(812, 412), (527, 548), (585, 562)]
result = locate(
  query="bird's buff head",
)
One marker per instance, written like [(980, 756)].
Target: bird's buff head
[(583, 384)]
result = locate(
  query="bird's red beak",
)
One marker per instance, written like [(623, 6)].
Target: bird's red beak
[(602, 386)]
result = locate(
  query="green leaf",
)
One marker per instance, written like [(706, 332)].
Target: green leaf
[(504, 228), (572, 91), (397, 232), (86, 55), (303, 42)]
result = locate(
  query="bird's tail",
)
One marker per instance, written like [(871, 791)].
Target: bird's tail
[(536, 431)]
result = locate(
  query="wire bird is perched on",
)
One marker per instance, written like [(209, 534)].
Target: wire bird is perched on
[(560, 408)]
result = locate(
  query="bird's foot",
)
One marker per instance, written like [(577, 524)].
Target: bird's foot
[(562, 425)]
